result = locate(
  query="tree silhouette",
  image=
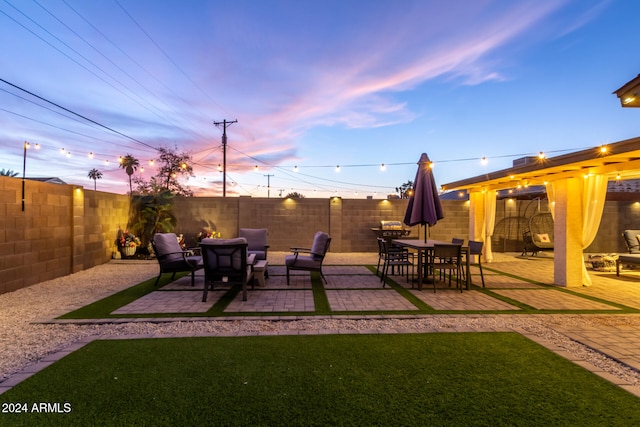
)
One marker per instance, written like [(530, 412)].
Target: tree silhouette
[(294, 195), (95, 174), (405, 190), (130, 165), (8, 172)]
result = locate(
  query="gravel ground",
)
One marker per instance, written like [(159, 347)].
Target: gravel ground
[(23, 341)]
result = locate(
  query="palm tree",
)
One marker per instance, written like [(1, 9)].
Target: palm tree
[(8, 172), (129, 164), (95, 174)]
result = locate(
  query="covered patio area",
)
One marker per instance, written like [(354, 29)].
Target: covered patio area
[(576, 186)]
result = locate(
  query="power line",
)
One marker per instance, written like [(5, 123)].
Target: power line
[(77, 114)]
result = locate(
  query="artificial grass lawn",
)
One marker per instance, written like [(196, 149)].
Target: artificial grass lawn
[(405, 379)]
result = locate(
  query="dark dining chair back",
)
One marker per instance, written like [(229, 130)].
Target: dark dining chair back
[(394, 257), (446, 257), (475, 248), (225, 261)]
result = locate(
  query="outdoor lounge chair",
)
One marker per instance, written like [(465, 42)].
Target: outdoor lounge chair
[(172, 258), (226, 261), (257, 241), (312, 261)]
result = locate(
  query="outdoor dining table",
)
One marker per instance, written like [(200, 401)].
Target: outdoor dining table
[(426, 248)]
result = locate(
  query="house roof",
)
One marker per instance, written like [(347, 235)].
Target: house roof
[(629, 94), (618, 161), (50, 180)]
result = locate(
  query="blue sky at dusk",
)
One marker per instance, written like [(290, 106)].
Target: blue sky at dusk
[(312, 84)]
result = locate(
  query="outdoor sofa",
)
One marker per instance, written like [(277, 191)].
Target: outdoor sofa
[(632, 240)]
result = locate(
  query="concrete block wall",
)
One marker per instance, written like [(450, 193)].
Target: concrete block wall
[(35, 244), (104, 214), (294, 222), (66, 228), (291, 222), (63, 229), (616, 217)]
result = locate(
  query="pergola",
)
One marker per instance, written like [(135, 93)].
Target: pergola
[(576, 187)]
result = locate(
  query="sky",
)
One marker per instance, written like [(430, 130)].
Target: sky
[(310, 85)]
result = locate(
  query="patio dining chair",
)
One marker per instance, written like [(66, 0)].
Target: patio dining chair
[(447, 258), (475, 248), (312, 258), (226, 261), (395, 257), (172, 258), (383, 249)]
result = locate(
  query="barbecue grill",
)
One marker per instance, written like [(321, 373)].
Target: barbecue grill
[(391, 230)]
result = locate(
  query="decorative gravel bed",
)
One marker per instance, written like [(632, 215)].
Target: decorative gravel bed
[(24, 341)]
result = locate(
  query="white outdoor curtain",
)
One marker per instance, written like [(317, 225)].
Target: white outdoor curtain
[(489, 223), (551, 199), (594, 193)]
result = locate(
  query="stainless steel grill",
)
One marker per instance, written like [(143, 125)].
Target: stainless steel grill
[(391, 230)]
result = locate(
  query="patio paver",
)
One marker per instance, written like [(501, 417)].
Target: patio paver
[(552, 299), (367, 300)]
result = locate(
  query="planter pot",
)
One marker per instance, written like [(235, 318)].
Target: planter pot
[(129, 250)]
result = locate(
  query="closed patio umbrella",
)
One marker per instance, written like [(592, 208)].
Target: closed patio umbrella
[(424, 205)]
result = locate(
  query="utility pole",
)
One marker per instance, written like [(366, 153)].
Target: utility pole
[(268, 185), (224, 124)]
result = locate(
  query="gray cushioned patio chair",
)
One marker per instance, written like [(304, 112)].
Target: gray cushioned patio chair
[(172, 258), (257, 241), (314, 257), (226, 261)]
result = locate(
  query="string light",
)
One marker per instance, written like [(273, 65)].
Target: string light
[(483, 161), (383, 167), (337, 168), (541, 155), (91, 155)]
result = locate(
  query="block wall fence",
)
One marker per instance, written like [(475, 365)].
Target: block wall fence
[(65, 228)]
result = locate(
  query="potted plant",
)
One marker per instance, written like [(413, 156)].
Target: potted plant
[(127, 243)]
